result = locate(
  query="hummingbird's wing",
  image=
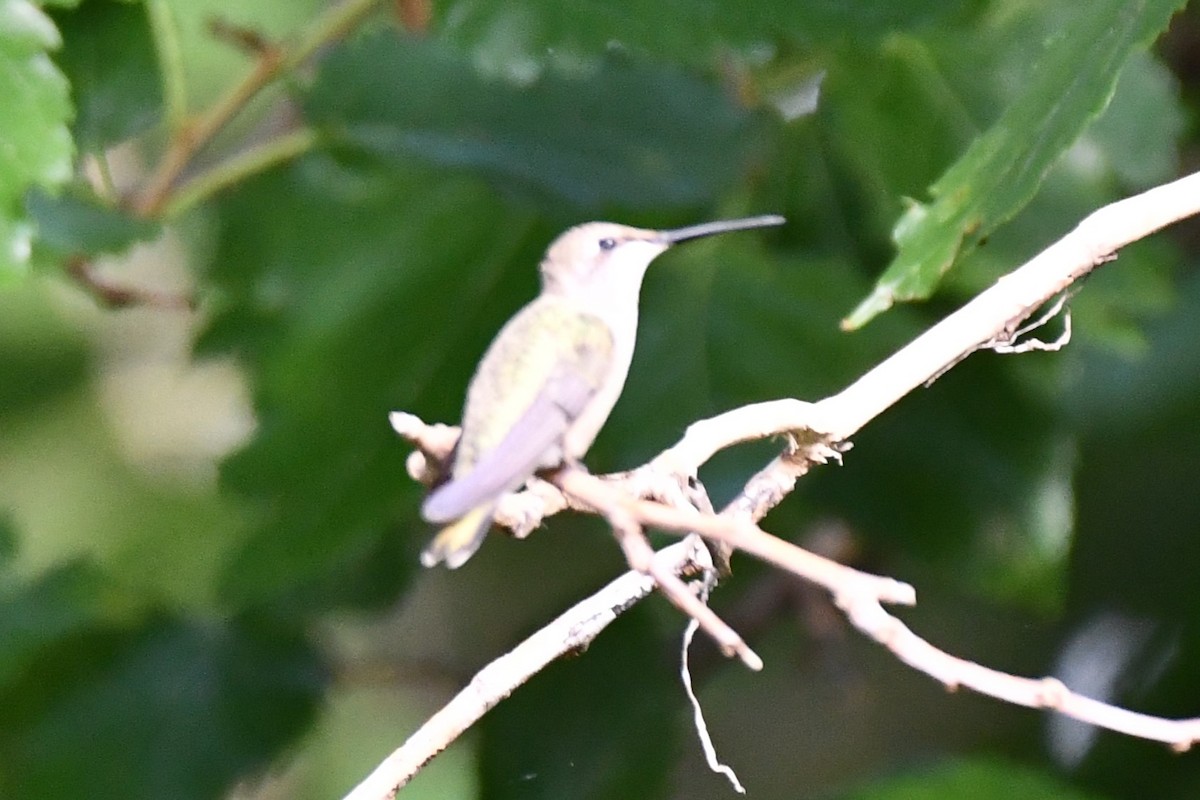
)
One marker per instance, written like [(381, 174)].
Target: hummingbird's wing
[(534, 440)]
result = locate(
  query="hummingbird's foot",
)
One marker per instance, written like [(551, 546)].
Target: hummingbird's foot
[(521, 513)]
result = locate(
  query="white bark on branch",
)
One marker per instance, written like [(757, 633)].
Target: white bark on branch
[(816, 432), (988, 319), (571, 631)]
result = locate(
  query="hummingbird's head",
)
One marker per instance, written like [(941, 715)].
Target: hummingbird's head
[(597, 256), (605, 258)]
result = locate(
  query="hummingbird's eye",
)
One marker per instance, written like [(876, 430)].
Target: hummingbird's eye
[(608, 244)]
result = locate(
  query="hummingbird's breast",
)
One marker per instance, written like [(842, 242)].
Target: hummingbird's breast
[(549, 346), (583, 432)]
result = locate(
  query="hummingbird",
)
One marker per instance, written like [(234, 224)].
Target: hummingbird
[(551, 376)]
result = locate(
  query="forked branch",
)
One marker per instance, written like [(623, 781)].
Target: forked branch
[(815, 433)]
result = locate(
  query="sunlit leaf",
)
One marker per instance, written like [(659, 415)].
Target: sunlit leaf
[(35, 144)]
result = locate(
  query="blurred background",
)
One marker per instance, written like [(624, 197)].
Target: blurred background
[(211, 298)]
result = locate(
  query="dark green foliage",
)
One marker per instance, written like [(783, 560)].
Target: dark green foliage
[(624, 714), (108, 56), (177, 598), (77, 223), (98, 691), (626, 134)]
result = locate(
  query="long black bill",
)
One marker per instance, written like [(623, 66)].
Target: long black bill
[(720, 226)]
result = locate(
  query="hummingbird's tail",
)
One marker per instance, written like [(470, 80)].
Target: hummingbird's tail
[(459, 540)]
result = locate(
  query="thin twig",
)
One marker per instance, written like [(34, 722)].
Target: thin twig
[(862, 596), (623, 514), (246, 163), (190, 138), (685, 676), (247, 40), (1013, 346), (114, 296)]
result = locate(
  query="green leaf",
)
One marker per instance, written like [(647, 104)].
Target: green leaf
[(108, 56), (77, 223), (887, 125), (979, 779), (628, 134), (35, 144), (1071, 83), (1116, 304), (97, 701), (172, 709)]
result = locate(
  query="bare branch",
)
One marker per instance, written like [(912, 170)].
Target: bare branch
[(569, 632), (814, 433), (1049, 693), (993, 314), (270, 62), (115, 296)]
